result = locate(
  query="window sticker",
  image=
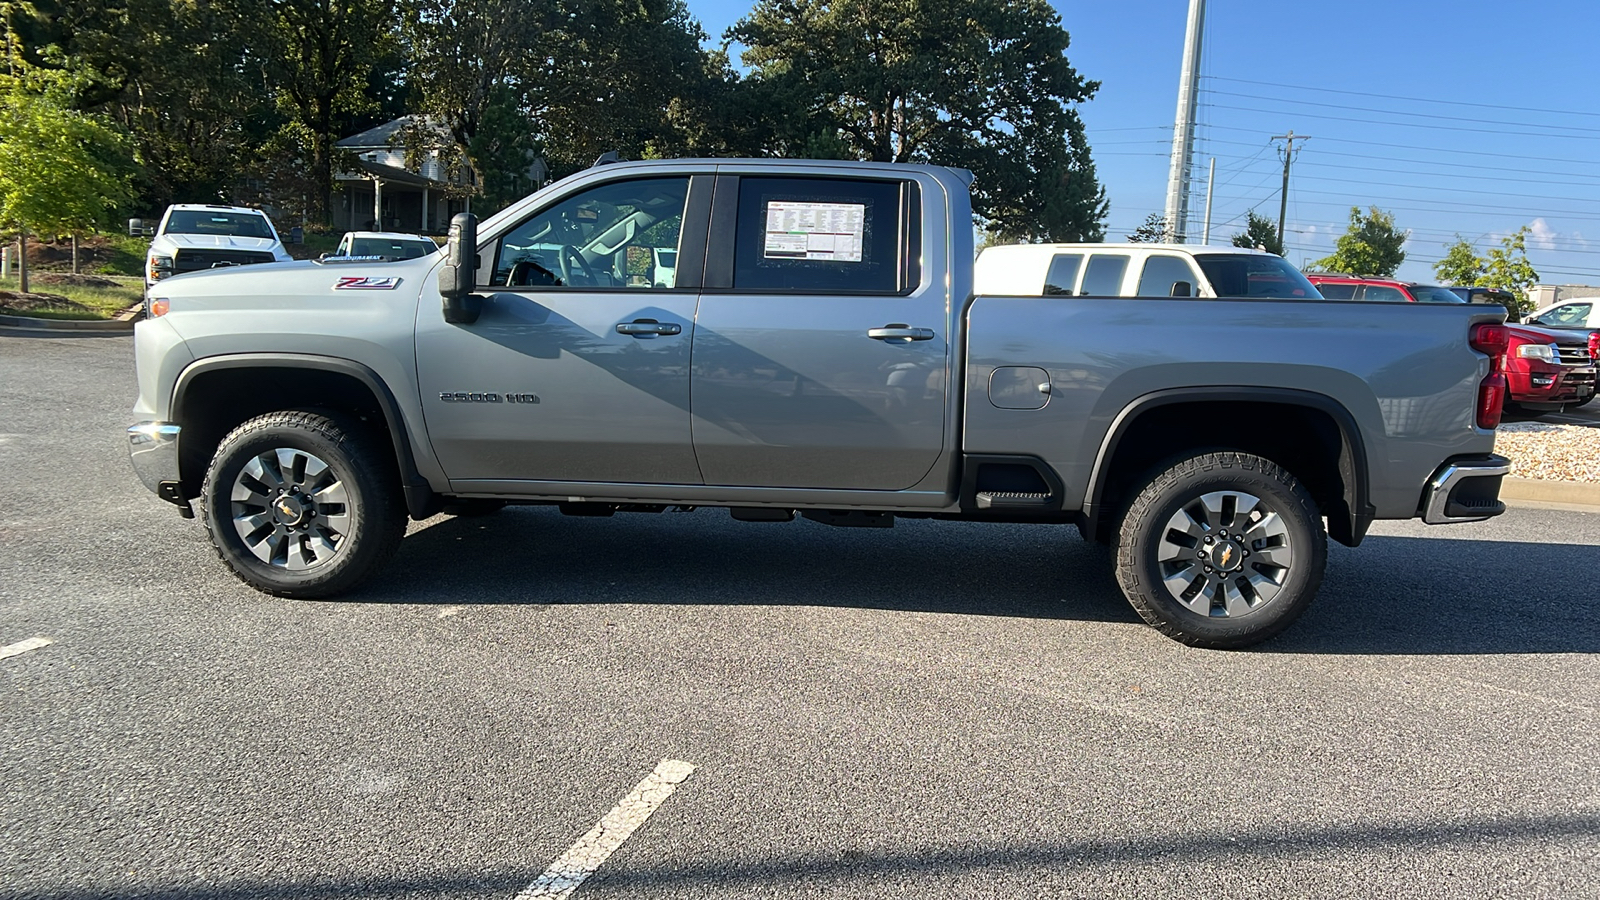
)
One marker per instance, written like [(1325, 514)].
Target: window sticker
[(823, 231)]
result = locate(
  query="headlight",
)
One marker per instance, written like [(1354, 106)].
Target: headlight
[(1542, 352), (160, 267)]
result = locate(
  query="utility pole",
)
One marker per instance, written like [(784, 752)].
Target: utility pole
[(1211, 182), (1177, 213), (1288, 157)]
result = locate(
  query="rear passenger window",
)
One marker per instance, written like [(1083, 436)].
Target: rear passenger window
[(1162, 272), (1337, 291), (1382, 293), (1063, 274), (826, 235), (1103, 277)]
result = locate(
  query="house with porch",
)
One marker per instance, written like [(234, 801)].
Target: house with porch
[(386, 194)]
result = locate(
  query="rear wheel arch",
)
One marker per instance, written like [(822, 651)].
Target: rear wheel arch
[(214, 395), (1160, 427)]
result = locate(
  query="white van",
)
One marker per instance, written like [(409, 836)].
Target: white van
[(1137, 270)]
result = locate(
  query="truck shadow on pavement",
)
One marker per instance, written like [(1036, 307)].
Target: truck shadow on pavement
[(796, 873), (1393, 595)]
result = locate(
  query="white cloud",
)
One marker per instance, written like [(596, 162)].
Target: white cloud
[(1541, 235)]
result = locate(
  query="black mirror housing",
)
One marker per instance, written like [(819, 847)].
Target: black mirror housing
[(458, 276)]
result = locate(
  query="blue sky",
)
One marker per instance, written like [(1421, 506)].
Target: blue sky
[(1468, 117)]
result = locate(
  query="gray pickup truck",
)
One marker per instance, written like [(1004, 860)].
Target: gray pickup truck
[(812, 344)]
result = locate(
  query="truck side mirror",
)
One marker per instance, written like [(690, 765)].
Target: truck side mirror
[(458, 276), (1182, 289)]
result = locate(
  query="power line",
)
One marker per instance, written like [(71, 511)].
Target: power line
[(1433, 149), (1301, 87), (1397, 112), (1592, 135)]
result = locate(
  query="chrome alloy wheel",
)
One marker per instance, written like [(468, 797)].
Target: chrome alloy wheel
[(1225, 554), (290, 509)]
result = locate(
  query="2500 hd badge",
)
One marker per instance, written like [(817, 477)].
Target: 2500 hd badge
[(486, 397)]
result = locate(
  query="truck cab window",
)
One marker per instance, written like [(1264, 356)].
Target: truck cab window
[(1103, 278), (1063, 274), (826, 235), (619, 235), (1162, 272)]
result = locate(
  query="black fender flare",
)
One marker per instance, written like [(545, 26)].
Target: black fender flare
[(1346, 526), (421, 501)]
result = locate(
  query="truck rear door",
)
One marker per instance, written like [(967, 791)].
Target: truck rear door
[(821, 347)]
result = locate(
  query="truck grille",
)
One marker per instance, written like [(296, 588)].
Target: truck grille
[(1575, 355), (191, 260)]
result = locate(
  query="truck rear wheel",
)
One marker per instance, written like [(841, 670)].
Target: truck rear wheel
[(301, 504), (1221, 550)]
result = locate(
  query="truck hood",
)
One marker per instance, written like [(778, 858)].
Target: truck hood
[(167, 243), (299, 278), (1550, 334)]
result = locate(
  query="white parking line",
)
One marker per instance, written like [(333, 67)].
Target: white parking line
[(21, 647), (565, 874)]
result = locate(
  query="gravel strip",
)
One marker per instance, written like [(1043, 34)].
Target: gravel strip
[(1550, 452)]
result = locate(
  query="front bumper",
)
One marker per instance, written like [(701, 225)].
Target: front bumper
[(1550, 387), (153, 450), (1465, 490)]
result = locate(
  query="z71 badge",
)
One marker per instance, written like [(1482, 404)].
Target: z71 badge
[(366, 283)]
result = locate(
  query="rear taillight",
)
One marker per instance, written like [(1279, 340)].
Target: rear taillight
[(1491, 339), (1491, 400)]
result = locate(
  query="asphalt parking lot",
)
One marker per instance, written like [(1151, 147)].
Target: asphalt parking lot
[(939, 709)]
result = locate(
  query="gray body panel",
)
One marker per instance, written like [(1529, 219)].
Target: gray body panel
[(1404, 373), (782, 400)]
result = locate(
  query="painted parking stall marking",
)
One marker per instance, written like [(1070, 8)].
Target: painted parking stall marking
[(21, 647), (577, 864)]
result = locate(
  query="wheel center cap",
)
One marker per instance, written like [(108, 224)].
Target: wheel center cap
[(289, 509), (1227, 556)]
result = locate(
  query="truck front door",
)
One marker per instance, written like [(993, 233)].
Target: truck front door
[(578, 368), (821, 348)]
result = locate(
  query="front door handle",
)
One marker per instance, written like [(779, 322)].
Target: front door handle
[(648, 328), (898, 332)]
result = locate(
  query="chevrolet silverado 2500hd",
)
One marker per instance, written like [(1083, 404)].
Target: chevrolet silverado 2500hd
[(816, 347)]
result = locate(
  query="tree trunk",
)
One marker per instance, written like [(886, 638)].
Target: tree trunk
[(22, 259), (74, 254)]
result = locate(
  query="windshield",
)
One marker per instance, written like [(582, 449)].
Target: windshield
[(391, 247), (1249, 275), (1430, 293), (204, 221)]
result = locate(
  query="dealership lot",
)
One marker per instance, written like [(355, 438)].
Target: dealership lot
[(936, 709)]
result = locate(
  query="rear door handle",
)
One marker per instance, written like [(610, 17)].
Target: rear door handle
[(898, 332), (648, 328)]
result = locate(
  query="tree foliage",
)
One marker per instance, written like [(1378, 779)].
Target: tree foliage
[(1370, 246), (61, 170), (1505, 267), (1153, 230), (1259, 233), (984, 85)]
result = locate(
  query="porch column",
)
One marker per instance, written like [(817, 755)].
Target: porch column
[(377, 203)]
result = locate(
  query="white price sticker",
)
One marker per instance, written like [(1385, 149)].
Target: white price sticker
[(822, 231)]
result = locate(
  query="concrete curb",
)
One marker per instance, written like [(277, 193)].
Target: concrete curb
[(1583, 495), (122, 324)]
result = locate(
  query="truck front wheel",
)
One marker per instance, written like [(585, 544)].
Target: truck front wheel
[(1221, 550), (302, 504)]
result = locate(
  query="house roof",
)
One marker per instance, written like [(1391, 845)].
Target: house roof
[(387, 135), (394, 175)]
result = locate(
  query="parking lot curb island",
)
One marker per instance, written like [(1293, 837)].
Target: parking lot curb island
[(1566, 493)]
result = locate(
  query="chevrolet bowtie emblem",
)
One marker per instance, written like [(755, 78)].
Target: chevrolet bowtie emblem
[(1225, 557)]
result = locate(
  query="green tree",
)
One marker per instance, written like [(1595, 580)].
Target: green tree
[(1259, 232), (1507, 267), (1153, 230), (318, 56), (984, 85), (61, 170), (1461, 264), (1371, 245)]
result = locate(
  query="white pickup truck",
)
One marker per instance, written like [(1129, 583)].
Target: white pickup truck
[(194, 237), (1137, 270)]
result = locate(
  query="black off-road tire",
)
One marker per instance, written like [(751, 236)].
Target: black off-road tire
[(1163, 517), (374, 516)]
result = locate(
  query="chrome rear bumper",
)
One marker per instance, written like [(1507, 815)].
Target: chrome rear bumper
[(1465, 490)]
